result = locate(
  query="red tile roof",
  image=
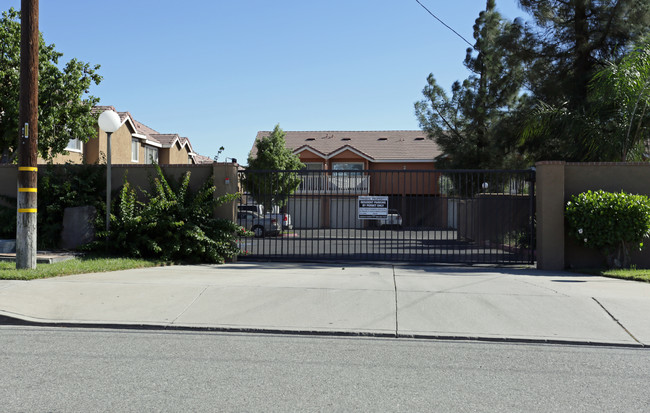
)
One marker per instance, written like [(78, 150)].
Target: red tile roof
[(398, 145)]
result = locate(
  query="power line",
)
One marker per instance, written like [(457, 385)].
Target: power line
[(445, 24)]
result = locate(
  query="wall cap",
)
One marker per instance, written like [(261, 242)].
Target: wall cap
[(550, 163), (593, 163), (608, 163)]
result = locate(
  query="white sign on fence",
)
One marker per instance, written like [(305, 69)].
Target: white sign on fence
[(373, 207)]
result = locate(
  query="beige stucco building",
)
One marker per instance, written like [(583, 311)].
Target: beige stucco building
[(133, 143)]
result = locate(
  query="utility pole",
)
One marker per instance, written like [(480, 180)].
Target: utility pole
[(27, 147)]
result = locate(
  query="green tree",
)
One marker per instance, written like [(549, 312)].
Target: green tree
[(571, 39), (612, 125), (64, 107), (623, 93), (269, 177), (476, 126)]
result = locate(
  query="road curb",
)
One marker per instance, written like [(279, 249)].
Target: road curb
[(18, 321)]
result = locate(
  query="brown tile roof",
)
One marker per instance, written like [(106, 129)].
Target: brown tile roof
[(165, 139), (122, 115), (200, 159), (399, 145), (144, 129)]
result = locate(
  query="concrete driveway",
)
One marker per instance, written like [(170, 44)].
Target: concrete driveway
[(383, 300)]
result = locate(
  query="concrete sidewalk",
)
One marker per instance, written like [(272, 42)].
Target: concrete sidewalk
[(403, 301)]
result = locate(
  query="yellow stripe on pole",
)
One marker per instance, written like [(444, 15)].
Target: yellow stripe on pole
[(27, 210), (28, 169), (27, 190)]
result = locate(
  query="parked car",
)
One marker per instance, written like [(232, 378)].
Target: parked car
[(283, 218), (251, 207), (393, 220), (261, 225)]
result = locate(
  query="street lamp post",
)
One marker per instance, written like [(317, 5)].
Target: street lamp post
[(109, 122)]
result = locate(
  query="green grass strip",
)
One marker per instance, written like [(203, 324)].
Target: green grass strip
[(627, 274), (633, 274), (8, 269)]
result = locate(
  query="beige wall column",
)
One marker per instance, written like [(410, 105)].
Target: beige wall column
[(226, 181), (550, 215)]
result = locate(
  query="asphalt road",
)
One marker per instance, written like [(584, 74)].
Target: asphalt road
[(47, 369)]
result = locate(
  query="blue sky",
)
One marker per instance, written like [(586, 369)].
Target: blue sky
[(219, 71)]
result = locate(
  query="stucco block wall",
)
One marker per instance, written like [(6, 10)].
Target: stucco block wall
[(556, 183), (8, 182), (140, 176)]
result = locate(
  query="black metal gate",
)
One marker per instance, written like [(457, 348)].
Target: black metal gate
[(437, 216)]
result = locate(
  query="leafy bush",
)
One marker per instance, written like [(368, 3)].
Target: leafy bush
[(613, 223), (172, 224), (59, 187)]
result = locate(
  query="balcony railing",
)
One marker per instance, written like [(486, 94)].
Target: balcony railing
[(318, 184)]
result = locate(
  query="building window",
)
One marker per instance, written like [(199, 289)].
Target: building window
[(348, 176), (74, 145), (350, 168), (135, 150), (313, 166), (151, 154)]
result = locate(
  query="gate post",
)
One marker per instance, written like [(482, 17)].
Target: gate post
[(226, 181), (550, 215)]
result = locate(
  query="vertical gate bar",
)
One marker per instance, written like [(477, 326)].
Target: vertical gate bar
[(382, 231), (237, 220), (389, 181), (350, 223), (394, 235), (321, 195), (389, 236), (432, 188), (366, 223), (503, 227), (267, 192), (390, 176), (335, 230), (414, 213), (471, 190), (458, 193), (257, 197), (325, 215), (391, 242), (494, 181), (289, 208), (503, 179), (273, 247), (278, 239), (317, 204), (440, 191), (341, 195), (399, 244)]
